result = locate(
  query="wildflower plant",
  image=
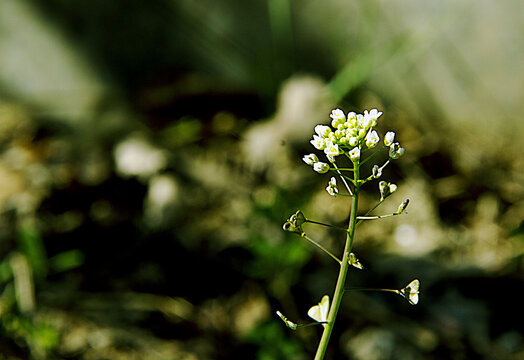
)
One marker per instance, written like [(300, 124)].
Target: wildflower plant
[(350, 138)]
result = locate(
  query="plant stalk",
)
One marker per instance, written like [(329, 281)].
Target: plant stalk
[(342, 275)]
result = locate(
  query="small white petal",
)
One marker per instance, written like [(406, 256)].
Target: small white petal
[(332, 149), (322, 130), (389, 138), (318, 142)]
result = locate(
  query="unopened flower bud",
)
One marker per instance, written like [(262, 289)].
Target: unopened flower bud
[(321, 167), (372, 139), (389, 138), (337, 117)]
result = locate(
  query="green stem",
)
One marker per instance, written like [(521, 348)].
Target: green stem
[(328, 225), (372, 155), (369, 289), (342, 177), (343, 169), (321, 247), (360, 218), (370, 210), (342, 275)]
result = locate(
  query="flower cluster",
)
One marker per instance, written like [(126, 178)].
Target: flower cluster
[(348, 135)]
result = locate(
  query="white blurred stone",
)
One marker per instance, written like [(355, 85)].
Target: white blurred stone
[(162, 196), (137, 157), (303, 103)]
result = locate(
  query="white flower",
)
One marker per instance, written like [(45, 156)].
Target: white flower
[(321, 167), (320, 312), (366, 123), (331, 149), (360, 120), (310, 159), (354, 154), (389, 138), (353, 141), (318, 142), (373, 116), (332, 187), (323, 130), (372, 139), (395, 151), (338, 118)]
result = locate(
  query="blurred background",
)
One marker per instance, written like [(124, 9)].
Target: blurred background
[(150, 152)]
